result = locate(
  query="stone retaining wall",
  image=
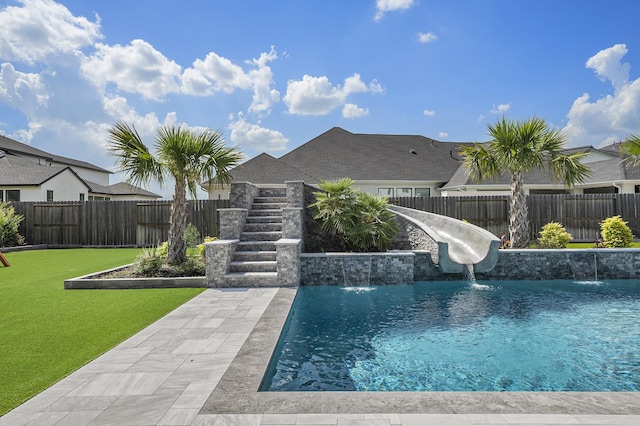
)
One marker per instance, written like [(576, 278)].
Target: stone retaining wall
[(407, 267)]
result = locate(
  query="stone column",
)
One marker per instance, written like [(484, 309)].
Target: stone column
[(231, 223), (288, 258), (218, 254), (241, 194), (295, 194), (292, 222)]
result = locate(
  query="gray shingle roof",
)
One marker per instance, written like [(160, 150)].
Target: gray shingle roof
[(266, 169), (338, 153), (16, 171), (19, 148)]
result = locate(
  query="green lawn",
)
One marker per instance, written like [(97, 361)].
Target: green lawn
[(47, 332)]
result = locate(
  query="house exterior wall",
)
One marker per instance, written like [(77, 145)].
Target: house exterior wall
[(372, 186), (65, 187), (95, 176)]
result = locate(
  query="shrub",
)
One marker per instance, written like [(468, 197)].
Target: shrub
[(9, 223), (149, 263), (361, 219), (201, 249), (191, 267), (554, 236), (192, 235), (616, 232)]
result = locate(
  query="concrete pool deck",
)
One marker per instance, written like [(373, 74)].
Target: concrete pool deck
[(202, 363)]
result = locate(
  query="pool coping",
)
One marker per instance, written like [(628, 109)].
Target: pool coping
[(237, 392)]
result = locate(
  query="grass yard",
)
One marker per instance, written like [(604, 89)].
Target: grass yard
[(47, 332)]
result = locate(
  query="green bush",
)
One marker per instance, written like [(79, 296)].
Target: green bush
[(361, 219), (201, 248), (149, 263), (616, 232), (554, 236), (192, 235), (191, 267), (9, 223)]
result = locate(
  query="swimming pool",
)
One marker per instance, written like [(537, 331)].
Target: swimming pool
[(454, 336)]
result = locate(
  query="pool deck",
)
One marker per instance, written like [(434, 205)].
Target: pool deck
[(202, 363)]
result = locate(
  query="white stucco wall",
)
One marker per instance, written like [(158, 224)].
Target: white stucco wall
[(65, 186)]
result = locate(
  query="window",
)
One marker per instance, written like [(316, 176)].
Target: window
[(423, 192), (13, 194), (49, 196), (2, 195), (385, 192), (81, 196), (404, 192)]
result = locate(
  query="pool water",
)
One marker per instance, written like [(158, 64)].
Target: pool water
[(457, 336)]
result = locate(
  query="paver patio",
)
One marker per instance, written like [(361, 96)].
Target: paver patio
[(168, 374)]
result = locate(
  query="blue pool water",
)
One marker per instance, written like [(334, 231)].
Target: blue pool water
[(455, 336)]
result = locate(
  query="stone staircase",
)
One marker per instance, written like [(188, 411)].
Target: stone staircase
[(254, 259)]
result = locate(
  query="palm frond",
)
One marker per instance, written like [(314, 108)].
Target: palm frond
[(630, 150), (132, 155)]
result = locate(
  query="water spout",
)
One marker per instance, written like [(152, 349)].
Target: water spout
[(469, 274)]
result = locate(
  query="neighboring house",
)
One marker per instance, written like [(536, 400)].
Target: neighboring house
[(30, 174), (414, 166)]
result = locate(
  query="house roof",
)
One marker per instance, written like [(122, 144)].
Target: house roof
[(19, 148), (121, 188), (610, 170), (338, 153), (266, 169), (16, 171)]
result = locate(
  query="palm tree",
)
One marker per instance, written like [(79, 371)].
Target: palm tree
[(630, 149), (518, 147), (186, 156)]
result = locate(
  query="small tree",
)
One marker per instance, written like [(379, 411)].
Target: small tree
[(362, 220), (9, 223), (616, 233), (554, 236)]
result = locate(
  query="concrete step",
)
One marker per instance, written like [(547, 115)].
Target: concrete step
[(265, 212), (254, 255), (264, 219), (262, 226), (256, 246), (261, 236), (251, 279), (268, 206), (254, 266), (280, 200), (272, 192)]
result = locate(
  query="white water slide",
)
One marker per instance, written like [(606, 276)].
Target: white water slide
[(460, 244)]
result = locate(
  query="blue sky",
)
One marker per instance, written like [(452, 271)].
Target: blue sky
[(272, 75)]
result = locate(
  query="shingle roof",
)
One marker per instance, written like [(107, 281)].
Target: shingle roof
[(121, 188), (16, 171), (19, 148), (338, 153), (266, 169)]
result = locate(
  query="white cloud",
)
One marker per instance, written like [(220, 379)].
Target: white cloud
[(383, 6), (245, 134), (43, 29), (607, 66), (500, 109), (429, 112), (136, 68), (427, 37), (317, 96), (217, 73), (354, 111), (612, 117), (23, 91), (443, 135)]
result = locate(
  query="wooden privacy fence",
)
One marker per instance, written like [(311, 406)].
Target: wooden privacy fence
[(110, 223), (581, 215)]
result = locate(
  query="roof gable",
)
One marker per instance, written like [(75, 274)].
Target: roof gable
[(266, 169), (338, 153)]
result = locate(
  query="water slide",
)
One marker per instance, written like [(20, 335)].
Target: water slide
[(459, 243)]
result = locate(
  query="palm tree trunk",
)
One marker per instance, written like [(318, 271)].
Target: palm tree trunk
[(518, 213), (177, 250)]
